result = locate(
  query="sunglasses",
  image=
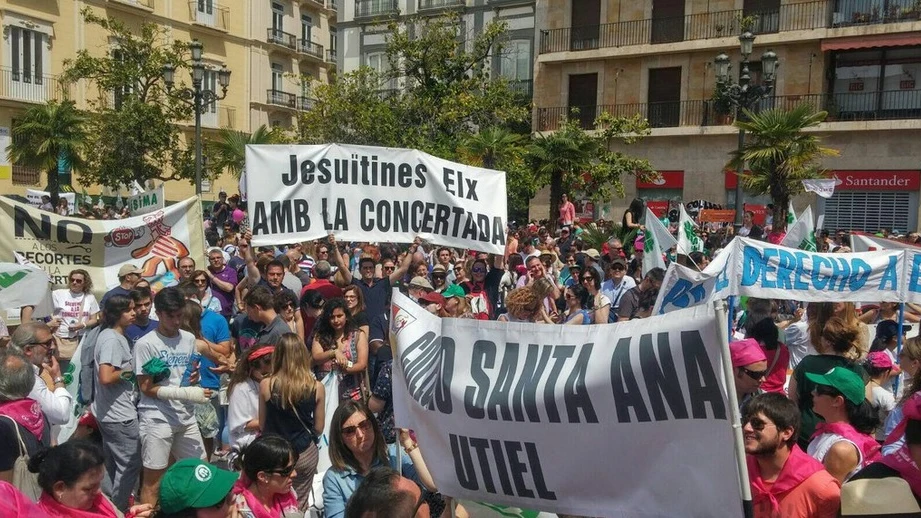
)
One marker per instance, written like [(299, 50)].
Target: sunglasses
[(587, 279), (618, 268), (285, 472), (201, 281), (389, 268), (76, 281), (478, 270), (755, 375), (48, 344), (323, 252), (364, 426), (825, 390), (262, 362), (459, 268), (757, 423)]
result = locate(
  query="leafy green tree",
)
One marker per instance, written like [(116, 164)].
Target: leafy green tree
[(133, 128), (503, 149), (47, 133), (779, 155), (574, 160), (228, 150)]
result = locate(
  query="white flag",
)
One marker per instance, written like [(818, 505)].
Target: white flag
[(791, 214), (656, 241), (687, 234), (801, 234), (824, 188)]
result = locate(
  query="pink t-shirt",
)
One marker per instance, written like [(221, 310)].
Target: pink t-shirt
[(819, 496), (567, 213), (775, 379)]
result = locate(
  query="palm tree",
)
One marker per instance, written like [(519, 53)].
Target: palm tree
[(559, 156), (491, 146), (780, 155), (228, 150), (46, 134)]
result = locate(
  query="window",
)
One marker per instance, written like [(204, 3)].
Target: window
[(306, 27), (277, 76), (515, 62), (119, 95), (209, 111), (204, 12), (278, 16), (332, 39), (26, 55), (206, 6), (876, 83), (378, 61)]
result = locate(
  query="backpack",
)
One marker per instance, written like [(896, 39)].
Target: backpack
[(86, 387), (23, 479)]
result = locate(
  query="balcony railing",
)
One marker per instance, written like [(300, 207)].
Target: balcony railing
[(332, 5), (866, 12), (440, 4), (280, 37), (375, 8), (279, 98), (23, 175), (310, 48), (842, 106), (30, 87), (209, 14), (331, 56), (525, 87), (718, 24), (305, 103)]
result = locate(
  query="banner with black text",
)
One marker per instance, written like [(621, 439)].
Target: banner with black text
[(625, 420), (364, 193)]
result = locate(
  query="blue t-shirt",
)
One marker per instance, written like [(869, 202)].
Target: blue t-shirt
[(214, 328), (134, 332)]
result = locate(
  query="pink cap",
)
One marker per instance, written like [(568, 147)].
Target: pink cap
[(879, 359), (746, 352)]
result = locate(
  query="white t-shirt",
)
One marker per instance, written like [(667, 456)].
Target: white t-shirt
[(818, 449), (72, 308), (243, 408), (176, 352), (883, 401)]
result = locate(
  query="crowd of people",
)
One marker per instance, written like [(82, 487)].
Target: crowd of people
[(207, 396)]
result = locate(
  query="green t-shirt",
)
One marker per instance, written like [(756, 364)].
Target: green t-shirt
[(816, 364)]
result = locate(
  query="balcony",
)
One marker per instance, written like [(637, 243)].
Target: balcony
[(279, 98), (209, 15), (305, 103), (331, 56), (848, 13), (30, 87), (525, 87), (23, 175), (375, 8), (333, 7), (310, 48), (146, 5), (440, 5), (718, 24), (279, 37), (841, 107)]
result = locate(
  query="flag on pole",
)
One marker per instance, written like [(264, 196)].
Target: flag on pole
[(656, 241), (791, 215), (801, 234), (688, 241), (824, 188)]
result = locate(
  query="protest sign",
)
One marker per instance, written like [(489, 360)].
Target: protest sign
[(22, 285), (823, 187), (57, 244), (656, 241), (800, 233), (684, 287), (717, 215), (529, 415), (35, 199), (146, 202), (688, 240), (861, 242), (364, 193)]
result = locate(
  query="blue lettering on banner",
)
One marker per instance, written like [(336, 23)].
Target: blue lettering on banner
[(682, 295), (818, 262), (798, 282), (774, 268), (768, 268), (860, 272), (889, 276), (914, 285), (722, 280), (751, 266), (840, 270), (785, 269)]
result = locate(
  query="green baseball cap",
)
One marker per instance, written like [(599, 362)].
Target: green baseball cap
[(453, 291), (844, 380), (195, 484)]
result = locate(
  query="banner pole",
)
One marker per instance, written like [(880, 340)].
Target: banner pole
[(732, 314), (722, 326), (898, 350)]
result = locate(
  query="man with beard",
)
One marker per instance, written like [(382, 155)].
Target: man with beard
[(785, 481)]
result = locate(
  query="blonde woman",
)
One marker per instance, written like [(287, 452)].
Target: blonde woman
[(291, 404), (847, 311)]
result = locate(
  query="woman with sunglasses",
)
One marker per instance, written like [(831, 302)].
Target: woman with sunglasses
[(292, 405), (266, 488), (286, 307), (203, 291), (599, 302), (75, 310), (356, 446), (577, 300), (243, 395), (341, 346), (910, 363), (750, 366), (843, 442), (839, 340)]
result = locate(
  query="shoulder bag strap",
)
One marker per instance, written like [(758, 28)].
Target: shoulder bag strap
[(774, 361), (22, 444)]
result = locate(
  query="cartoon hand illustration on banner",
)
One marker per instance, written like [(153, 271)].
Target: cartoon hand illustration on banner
[(165, 248)]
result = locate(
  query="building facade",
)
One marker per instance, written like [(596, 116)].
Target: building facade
[(362, 31), (856, 59), (272, 49)]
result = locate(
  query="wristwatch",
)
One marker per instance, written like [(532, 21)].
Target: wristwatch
[(59, 380)]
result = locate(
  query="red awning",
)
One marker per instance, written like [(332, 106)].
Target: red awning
[(868, 42)]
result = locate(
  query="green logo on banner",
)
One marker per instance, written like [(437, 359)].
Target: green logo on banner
[(9, 279), (696, 242)]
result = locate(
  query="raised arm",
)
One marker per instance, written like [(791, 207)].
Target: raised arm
[(341, 263), (252, 271), (406, 262)]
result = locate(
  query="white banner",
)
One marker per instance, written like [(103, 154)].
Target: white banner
[(535, 416), (57, 244), (800, 233), (22, 285), (861, 242), (35, 199), (688, 241), (364, 193), (146, 202), (656, 241), (824, 188)]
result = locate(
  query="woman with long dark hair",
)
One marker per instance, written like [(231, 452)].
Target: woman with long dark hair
[(266, 489), (292, 405), (632, 217), (577, 301), (765, 331), (116, 400), (342, 346), (844, 442), (599, 303)]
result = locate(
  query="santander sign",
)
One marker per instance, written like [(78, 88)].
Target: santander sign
[(896, 180)]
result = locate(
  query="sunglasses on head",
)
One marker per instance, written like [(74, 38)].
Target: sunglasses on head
[(755, 375), (364, 426)]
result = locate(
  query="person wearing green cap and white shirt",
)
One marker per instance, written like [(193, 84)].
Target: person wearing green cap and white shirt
[(194, 488), (844, 442)]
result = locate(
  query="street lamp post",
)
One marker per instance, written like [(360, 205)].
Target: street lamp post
[(196, 97), (743, 95)]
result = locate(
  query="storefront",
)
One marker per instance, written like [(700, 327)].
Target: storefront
[(658, 193), (872, 200), (757, 204)]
